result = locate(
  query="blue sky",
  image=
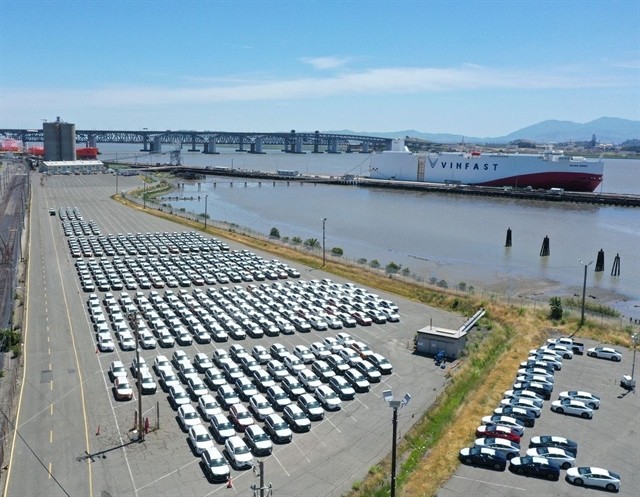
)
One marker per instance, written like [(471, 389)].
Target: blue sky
[(476, 68)]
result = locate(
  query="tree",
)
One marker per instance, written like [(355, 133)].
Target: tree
[(374, 264), (362, 260), (312, 243), (337, 252), (555, 304), (406, 271), (274, 233), (392, 268), (296, 240)]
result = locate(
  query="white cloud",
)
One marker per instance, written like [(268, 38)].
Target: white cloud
[(382, 82), (326, 62)]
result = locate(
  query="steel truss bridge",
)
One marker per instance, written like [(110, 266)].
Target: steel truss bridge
[(251, 142)]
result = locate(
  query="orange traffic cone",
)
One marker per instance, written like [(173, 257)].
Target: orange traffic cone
[(230, 482)]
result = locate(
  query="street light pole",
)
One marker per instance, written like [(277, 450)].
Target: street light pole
[(144, 193), (584, 289), (387, 395), (133, 323), (393, 451), (206, 201), (324, 221)]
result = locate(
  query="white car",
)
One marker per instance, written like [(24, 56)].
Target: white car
[(258, 440), (117, 370), (297, 419), (328, 398), (507, 447), (278, 429), (605, 353), (197, 387), (260, 406), (168, 378), (524, 404), (260, 354), (309, 380), (527, 394), (200, 438), (573, 407), (303, 353), (188, 416), (320, 350), (208, 406), (105, 342), (590, 476), (159, 362), (179, 396), (560, 456), (215, 465), (238, 453), (591, 400)]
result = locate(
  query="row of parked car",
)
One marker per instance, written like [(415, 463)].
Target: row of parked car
[(252, 399), (217, 314), (501, 433)]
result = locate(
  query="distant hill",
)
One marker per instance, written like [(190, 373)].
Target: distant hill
[(606, 129)]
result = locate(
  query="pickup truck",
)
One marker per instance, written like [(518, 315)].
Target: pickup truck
[(576, 347)]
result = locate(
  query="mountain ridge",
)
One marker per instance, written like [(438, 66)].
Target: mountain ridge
[(606, 130)]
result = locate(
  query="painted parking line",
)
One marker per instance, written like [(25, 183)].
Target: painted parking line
[(489, 483)]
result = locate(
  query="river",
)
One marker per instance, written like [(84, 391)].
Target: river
[(438, 237)]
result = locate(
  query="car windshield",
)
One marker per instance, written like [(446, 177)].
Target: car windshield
[(190, 415), (281, 426), (243, 449), (260, 437), (203, 438), (226, 425), (330, 395), (218, 462)]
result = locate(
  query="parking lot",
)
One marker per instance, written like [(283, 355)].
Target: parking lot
[(126, 248), (610, 440)]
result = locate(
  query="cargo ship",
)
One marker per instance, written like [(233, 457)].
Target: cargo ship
[(85, 153), (546, 170)]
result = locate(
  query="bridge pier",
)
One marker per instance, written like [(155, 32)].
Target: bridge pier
[(156, 146), (365, 148), (210, 146), (193, 144), (316, 143), (256, 146), (332, 146), (145, 144), (241, 145)]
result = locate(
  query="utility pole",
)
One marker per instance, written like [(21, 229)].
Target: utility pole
[(584, 289), (324, 260), (262, 490), (206, 201), (133, 323)]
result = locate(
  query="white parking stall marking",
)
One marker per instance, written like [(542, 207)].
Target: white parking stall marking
[(281, 465), (489, 483)]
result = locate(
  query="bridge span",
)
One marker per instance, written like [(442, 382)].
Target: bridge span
[(249, 141)]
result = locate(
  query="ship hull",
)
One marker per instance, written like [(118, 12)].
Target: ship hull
[(539, 171)]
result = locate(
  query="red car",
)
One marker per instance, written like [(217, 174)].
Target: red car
[(361, 318), (240, 417), (498, 431)]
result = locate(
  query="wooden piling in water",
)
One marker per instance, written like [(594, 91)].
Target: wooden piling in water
[(615, 269), (508, 242), (544, 250), (600, 261)]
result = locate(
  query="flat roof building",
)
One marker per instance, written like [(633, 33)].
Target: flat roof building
[(72, 167)]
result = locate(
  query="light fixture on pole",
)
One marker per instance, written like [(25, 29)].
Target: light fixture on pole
[(134, 324), (584, 288), (206, 201), (387, 395), (324, 259)]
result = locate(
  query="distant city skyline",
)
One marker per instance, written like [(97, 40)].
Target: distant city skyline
[(476, 68)]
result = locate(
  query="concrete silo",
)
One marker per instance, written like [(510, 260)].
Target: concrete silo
[(59, 141)]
